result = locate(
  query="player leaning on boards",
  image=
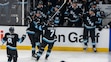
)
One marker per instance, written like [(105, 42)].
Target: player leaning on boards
[(12, 38)]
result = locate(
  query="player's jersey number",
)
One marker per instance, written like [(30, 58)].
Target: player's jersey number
[(52, 33), (9, 40)]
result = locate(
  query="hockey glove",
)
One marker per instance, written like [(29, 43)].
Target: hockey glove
[(100, 28), (23, 37)]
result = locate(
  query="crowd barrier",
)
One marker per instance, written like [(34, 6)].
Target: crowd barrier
[(68, 39)]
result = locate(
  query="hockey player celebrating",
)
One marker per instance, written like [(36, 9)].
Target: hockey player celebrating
[(49, 39), (30, 17), (41, 8), (31, 34), (56, 18), (34, 31), (12, 38), (98, 13), (74, 12), (90, 20)]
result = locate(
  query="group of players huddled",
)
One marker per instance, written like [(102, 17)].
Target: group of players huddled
[(38, 27), (41, 22), (88, 15)]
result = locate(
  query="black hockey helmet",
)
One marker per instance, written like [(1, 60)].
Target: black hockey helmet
[(40, 2), (11, 29), (93, 4)]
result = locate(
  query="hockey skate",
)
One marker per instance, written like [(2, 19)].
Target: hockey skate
[(36, 60), (46, 58), (85, 48), (34, 55), (94, 49)]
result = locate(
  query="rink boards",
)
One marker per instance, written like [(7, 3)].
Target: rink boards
[(68, 39)]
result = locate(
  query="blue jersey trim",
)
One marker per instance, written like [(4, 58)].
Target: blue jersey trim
[(48, 41), (90, 27), (20, 41), (110, 41), (30, 32), (3, 41), (12, 48)]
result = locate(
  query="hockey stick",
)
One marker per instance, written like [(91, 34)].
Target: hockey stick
[(107, 15), (58, 9)]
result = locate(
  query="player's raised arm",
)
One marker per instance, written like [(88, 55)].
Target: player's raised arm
[(22, 38)]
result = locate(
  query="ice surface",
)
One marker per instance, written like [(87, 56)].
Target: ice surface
[(57, 56)]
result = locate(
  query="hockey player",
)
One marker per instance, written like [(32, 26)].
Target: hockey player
[(90, 20), (34, 3), (30, 17), (56, 18), (34, 32), (98, 13), (41, 8), (12, 38), (31, 34), (49, 39), (74, 13), (85, 6)]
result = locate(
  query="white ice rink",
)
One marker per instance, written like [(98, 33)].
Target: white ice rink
[(57, 56)]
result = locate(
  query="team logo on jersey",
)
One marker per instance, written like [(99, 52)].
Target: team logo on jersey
[(1, 34)]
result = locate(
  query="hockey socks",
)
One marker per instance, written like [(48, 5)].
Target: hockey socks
[(85, 45), (39, 54), (94, 47), (47, 54), (33, 51)]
